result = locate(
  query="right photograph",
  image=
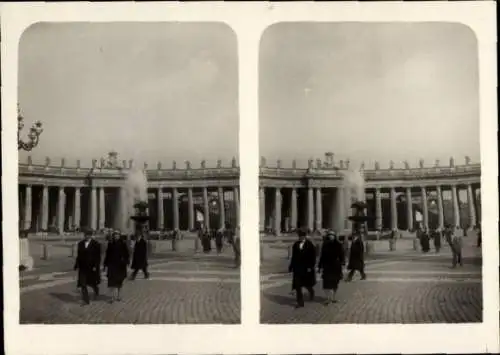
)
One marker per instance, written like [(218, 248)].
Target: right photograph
[(370, 196)]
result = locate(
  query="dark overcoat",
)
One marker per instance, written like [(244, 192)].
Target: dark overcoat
[(303, 265), (140, 256), (88, 263), (331, 262), (116, 261), (357, 255)]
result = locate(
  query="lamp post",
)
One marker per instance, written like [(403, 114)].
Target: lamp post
[(33, 135)]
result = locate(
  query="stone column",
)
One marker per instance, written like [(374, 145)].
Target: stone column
[(277, 211), (310, 208), (236, 199), (124, 221), (27, 208), (175, 206), (425, 209), (222, 211), (470, 204), (93, 208), (347, 207), (60, 209), (339, 210), (190, 209), (262, 208), (409, 208), (440, 207), (206, 209), (394, 210), (160, 222), (77, 208), (293, 210), (102, 209), (456, 209), (319, 209), (45, 207), (378, 209)]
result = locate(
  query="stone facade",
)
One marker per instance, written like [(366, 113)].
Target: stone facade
[(68, 197), (316, 199)]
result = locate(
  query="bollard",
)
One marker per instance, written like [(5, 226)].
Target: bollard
[(45, 252)]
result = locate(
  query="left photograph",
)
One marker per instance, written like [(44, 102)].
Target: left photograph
[(128, 174)]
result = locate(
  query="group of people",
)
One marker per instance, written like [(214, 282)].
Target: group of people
[(331, 262), (116, 262), (226, 235)]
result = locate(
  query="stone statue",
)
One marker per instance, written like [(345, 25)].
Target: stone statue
[(467, 160), (294, 164), (233, 162), (407, 165), (278, 164), (377, 165), (145, 166), (219, 164), (436, 164), (203, 164), (130, 164), (319, 163), (124, 164), (78, 164), (310, 164), (158, 165), (94, 163), (188, 165), (452, 162), (341, 164), (421, 163), (347, 163), (47, 161), (391, 165), (103, 163), (63, 162), (174, 165), (30, 160), (362, 166), (262, 162)]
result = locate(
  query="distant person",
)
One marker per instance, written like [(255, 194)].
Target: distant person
[(456, 247), (116, 262), (303, 265), (236, 244), (356, 258), (425, 240), (436, 236), (219, 240), (140, 257), (330, 265), (88, 264)]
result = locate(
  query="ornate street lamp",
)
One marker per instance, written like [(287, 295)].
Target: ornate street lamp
[(33, 135)]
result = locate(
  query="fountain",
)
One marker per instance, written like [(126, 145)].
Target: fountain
[(137, 201), (355, 183)]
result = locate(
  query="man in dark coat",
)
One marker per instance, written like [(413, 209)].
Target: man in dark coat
[(356, 258), (330, 265), (88, 264), (140, 257), (303, 267)]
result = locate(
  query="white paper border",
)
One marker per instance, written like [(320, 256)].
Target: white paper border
[(249, 20)]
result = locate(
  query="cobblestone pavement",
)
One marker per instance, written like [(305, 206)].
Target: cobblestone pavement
[(199, 289), (400, 288)]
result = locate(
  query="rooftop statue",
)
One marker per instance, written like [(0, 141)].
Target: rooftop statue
[(203, 164), (174, 165), (421, 163)]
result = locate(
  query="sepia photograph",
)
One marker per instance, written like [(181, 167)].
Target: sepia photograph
[(129, 175), (370, 176)]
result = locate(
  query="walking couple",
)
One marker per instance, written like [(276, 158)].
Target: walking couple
[(330, 265), (116, 260)]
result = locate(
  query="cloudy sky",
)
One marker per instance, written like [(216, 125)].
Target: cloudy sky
[(152, 92), (369, 92)]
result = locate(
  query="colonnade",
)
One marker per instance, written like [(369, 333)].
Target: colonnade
[(282, 210), (99, 207)]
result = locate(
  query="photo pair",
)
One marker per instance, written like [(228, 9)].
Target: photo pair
[(239, 167)]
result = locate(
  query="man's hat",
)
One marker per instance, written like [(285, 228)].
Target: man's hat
[(89, 233)]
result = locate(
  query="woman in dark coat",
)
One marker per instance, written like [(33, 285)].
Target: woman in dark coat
[(116, 262), (140, 258), (425, 241), (303, 267), (330, 265), (356, 258)]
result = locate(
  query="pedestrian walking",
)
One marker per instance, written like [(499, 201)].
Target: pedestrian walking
[(456, 242), (88, 264), (303, 265), (436, 236), (140, 257), (116, 262), (356, 258), (330, 265)]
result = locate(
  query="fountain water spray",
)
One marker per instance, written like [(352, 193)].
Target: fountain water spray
[(136, 192), (354, 182)]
